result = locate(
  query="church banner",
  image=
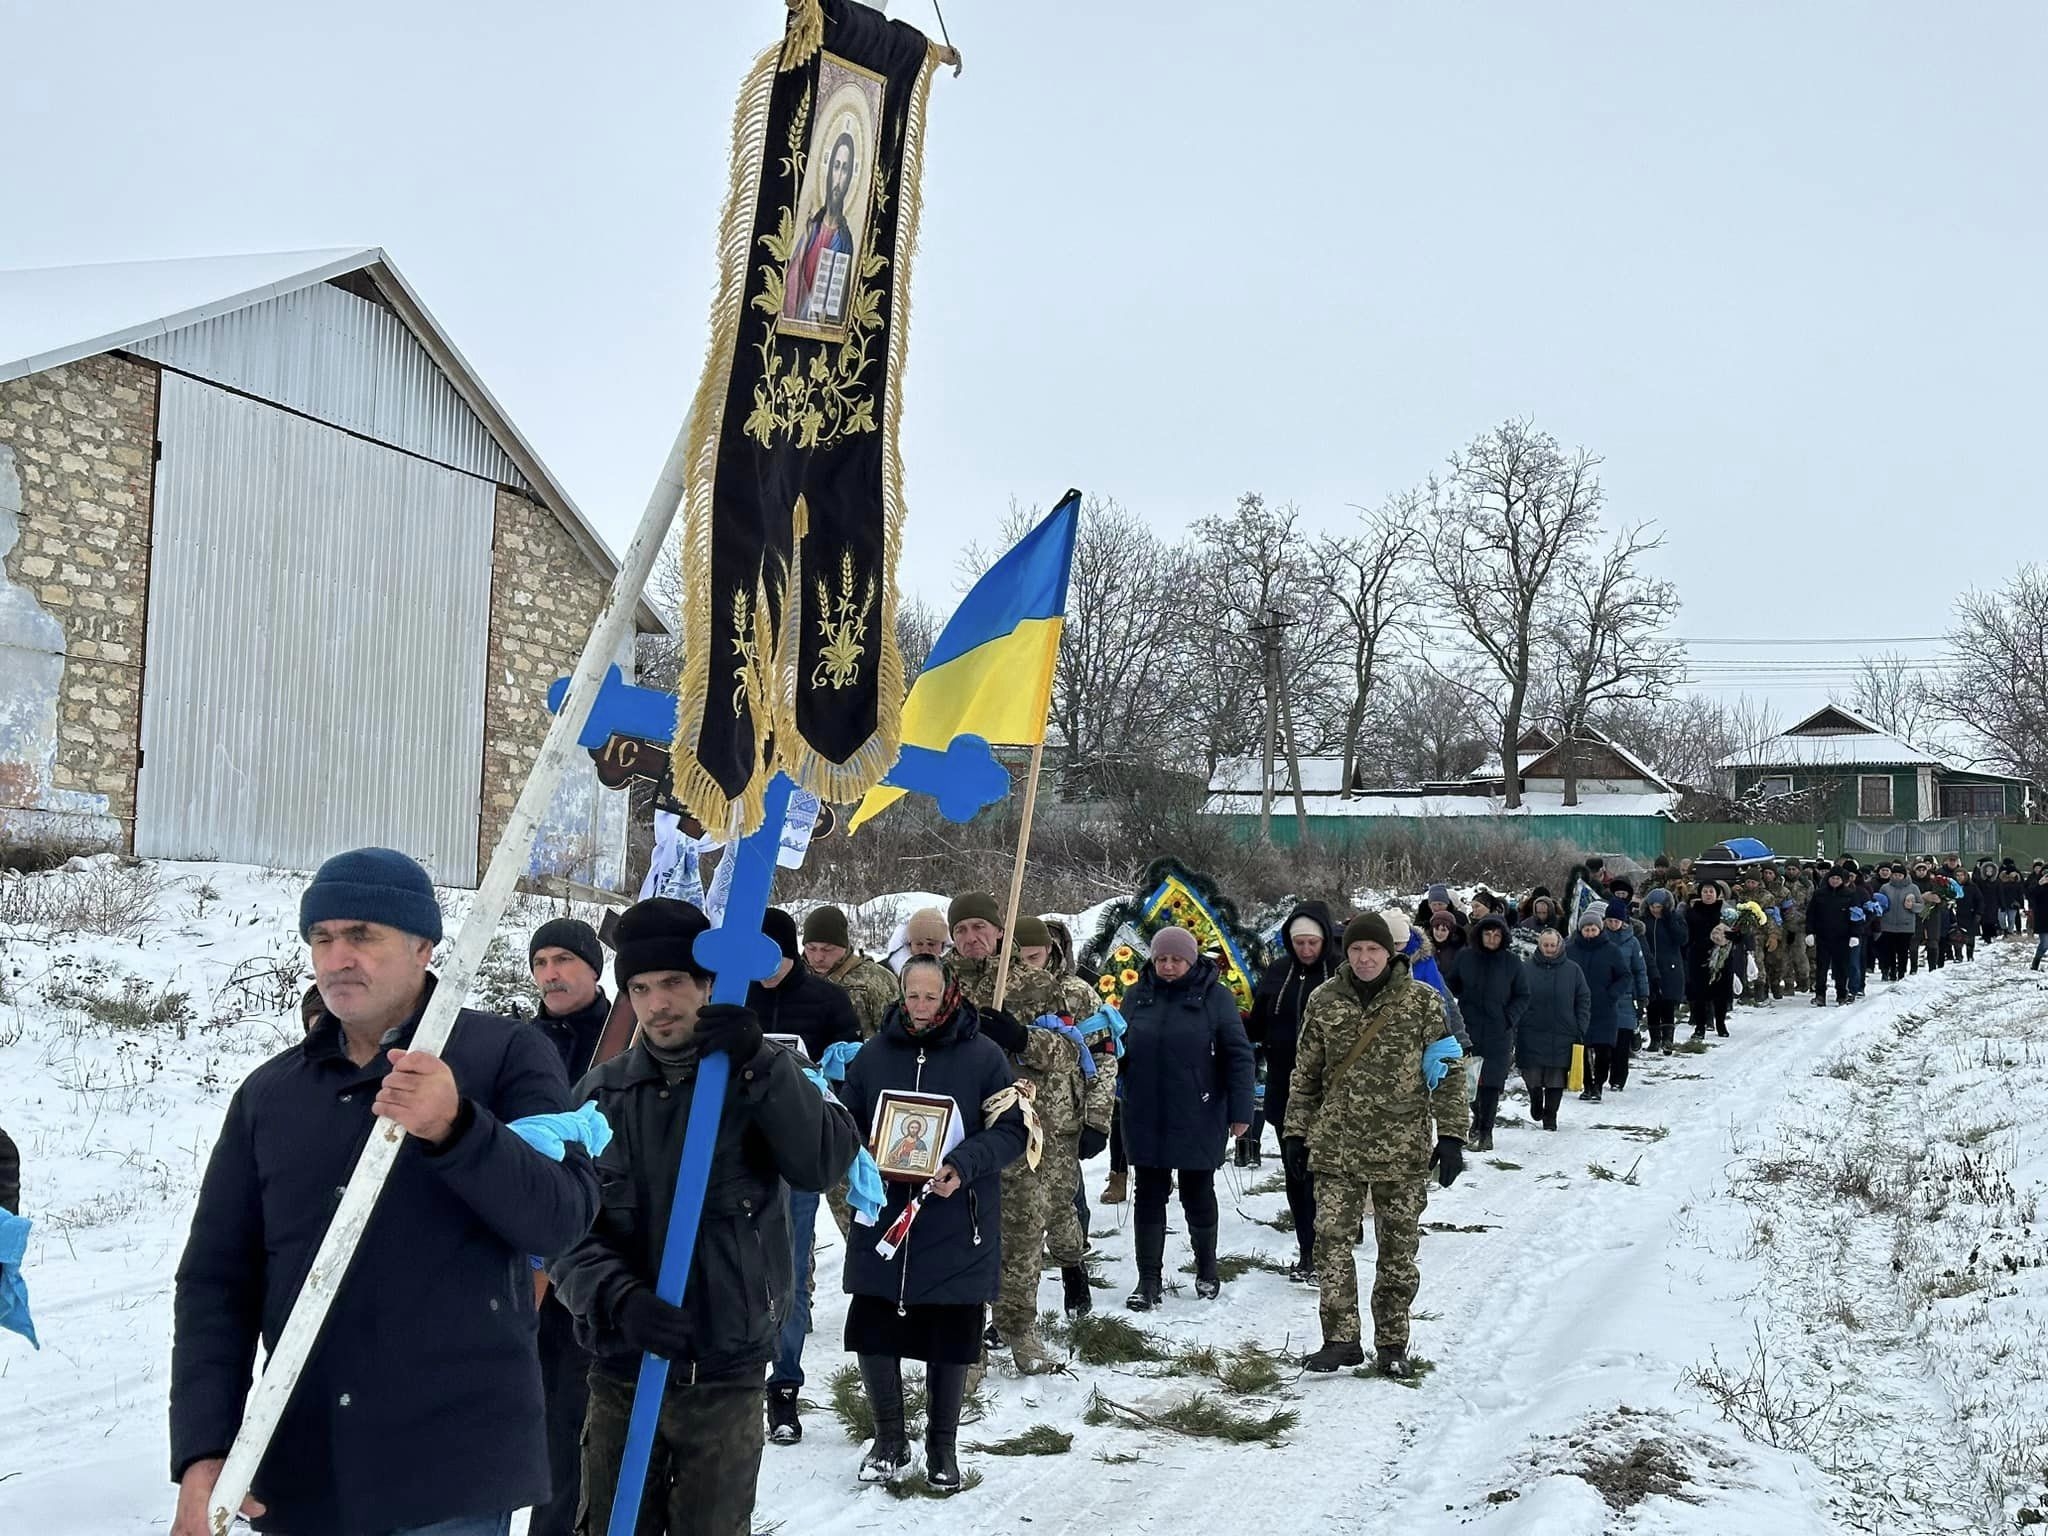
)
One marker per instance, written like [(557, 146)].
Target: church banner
[(793, 498)]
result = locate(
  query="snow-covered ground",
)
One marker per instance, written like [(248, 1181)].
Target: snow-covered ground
[(1796, 1282)]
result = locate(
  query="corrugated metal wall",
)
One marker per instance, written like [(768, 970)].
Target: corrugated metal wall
[(277, 726), (340, 359)]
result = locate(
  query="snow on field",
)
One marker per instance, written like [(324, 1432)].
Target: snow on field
[(1791, 1284)]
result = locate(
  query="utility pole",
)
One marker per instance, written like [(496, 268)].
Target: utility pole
[(1293, 759), (1269, 637)]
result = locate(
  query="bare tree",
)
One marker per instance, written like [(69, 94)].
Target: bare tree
[(1368, 575), (1685, 737), (1890, 692), (1607, 641), (1997, 690), (1422, 730), (917, 631), (1514, 509)]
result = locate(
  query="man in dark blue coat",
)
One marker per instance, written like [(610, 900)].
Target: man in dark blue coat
[(420, 1406)]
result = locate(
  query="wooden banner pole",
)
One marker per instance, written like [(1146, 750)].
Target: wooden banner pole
[(1017, 874)]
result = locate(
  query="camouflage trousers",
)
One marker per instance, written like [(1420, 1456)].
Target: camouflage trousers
[(1396, 1206), (1778, 979), (1038, 1213), (1801, 962), (706, 1457)]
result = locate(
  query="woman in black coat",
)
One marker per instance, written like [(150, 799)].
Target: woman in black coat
[(1493, 993), (1664, 955), (1560, 1008), (1710, 996), (1310, 959), (925, 1301), (1187, 1081)]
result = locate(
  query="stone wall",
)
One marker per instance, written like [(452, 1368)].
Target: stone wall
[(83, 441), (544, 597)]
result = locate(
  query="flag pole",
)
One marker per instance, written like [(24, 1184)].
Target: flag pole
[(1017, 874)]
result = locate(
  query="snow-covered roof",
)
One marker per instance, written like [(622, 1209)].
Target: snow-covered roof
[(50, 316), (1490, 769), (1457, 805), (1242, 776), (1876, 748)]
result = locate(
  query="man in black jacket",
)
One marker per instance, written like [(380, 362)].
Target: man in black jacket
[(796, 1000), (1829, 929), (567, 963), (420, 1405), (777, 1132)]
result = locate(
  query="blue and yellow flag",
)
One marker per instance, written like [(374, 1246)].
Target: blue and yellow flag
[(990, 672)]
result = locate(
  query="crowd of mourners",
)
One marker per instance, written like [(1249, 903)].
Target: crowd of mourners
[(939, 1101)]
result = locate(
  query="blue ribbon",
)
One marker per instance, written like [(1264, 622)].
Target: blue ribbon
[(1060, 1026), (13, 1289), (1436, 1061), (863, 1178), (551, 1135), (1109, 1017), (837, 1055)]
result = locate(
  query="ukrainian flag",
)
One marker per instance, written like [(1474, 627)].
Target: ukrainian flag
[(990, 673)]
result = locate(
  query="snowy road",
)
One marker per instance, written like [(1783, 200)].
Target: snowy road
[(1563, 1333)]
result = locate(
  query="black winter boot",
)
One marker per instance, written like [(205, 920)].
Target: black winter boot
[(1393, 1361), (946, 1386), (888, 1459), (1078, 1299), (784, 1427), (1334, 1355), (1151, 1247), (1208, 1286)]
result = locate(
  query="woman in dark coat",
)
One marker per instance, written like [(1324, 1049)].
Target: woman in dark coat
[(1446, 939), (1493, 994), (1610, 980), (1187, 1081), (925, 1302), (1710, 995), (1560, 1008), (1311, 958), (1664, 942)]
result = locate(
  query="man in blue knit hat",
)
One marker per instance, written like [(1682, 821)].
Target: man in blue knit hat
[(420, 1406)]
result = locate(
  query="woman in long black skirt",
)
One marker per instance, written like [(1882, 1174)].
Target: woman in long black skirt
[(925, 1302)]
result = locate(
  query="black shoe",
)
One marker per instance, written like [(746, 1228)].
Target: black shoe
[(888, 1459), (784, 1427), (1334, 1356), (1700, 1033), (947, 1386), (992, 1336), (1393, 1361), (1208, 1284), (1721, 1030), (1079, 1299), (1485, 1142), (1550, 1122), (1303, 1272), (1591, 1095), (1150, 1291)]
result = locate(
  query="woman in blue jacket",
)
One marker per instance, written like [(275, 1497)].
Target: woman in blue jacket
[(1607, 980), (1621, 933), (924, 1301)]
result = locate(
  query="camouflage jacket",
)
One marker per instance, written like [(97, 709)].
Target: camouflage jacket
[(1375, 1121), (873, 989), (1099, 1093), (1050, 1062)]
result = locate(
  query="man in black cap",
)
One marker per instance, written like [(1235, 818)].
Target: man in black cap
[(420, 1405), (567, 963), (777, 1132)]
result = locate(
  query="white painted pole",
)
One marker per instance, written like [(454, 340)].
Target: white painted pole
[(494, 893)]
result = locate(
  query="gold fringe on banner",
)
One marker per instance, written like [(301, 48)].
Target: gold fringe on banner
[(806, 33), (694, 786), (844, 783)]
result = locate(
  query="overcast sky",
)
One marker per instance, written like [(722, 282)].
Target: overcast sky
[(1782, 265)]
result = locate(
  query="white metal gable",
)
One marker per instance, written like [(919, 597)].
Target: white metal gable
[(318, 620)]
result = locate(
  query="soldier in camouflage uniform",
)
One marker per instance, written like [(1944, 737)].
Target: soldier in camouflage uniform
[(1038, 1203), (1359, 1112), (1794, 894)]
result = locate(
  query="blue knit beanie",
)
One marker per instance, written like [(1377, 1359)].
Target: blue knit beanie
[(372, 885)]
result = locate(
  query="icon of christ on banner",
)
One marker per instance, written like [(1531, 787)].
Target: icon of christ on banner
[(834, 206)]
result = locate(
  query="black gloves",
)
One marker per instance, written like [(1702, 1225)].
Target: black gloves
[(1004, 1029), (651, 1325), (729, 1028), (1092, 1142), (1294, 1154), (1448, 1160)]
